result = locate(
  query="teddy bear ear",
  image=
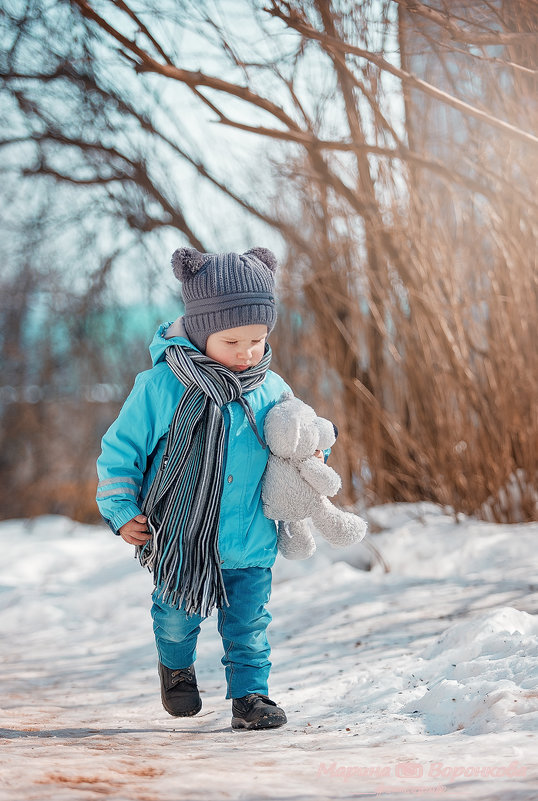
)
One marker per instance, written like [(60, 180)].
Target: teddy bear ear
[(186, 262), (264, 255), (282, 428)]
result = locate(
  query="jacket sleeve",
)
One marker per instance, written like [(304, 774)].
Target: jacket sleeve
[(124, 455)]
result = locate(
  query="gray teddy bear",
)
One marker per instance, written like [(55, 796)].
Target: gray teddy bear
[(297, 485)]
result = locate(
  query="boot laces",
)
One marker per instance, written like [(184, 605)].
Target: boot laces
[(251, 699), (183, 674)]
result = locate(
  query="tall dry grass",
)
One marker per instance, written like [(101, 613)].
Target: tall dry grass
[(418, 292), (445, 407), (419, 332)]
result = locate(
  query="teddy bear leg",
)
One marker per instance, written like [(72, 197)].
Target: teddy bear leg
[(336, 526), (295, 540)]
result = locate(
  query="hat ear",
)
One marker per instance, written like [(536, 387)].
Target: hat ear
[(186, 262), (265, 255)]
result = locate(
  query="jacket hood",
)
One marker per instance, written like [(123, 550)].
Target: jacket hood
[(168, 334)]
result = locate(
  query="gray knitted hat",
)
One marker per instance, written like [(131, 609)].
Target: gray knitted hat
[(225, 290)]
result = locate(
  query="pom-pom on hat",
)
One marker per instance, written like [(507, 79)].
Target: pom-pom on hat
[(225, 290)]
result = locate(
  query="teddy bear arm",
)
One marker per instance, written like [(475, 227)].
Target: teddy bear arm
[(322, 478)]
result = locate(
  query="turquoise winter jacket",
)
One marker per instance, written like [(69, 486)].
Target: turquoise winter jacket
[(133, 446)]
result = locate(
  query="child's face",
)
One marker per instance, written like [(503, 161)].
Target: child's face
[(237, 348)]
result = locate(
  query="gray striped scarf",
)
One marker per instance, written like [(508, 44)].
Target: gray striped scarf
[(183, 502)]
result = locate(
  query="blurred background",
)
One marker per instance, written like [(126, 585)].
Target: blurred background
[(386, 150)]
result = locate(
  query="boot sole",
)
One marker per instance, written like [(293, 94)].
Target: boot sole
[(189, 713), (267, 721)]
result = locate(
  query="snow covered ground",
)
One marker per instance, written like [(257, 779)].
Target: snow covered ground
[(421, 681)]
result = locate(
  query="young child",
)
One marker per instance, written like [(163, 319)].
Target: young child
[(180, 478)]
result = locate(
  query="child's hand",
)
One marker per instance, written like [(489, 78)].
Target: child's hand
[(320, 455), (135, 532)]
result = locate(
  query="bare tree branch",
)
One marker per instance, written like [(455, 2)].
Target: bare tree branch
[(456, 32), (191, 79), (124, 7), (330, 44)]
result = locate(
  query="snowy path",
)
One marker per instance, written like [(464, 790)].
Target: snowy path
[(420, 682)]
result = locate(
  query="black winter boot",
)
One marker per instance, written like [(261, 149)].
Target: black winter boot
[(179, 691), (256, 711)]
